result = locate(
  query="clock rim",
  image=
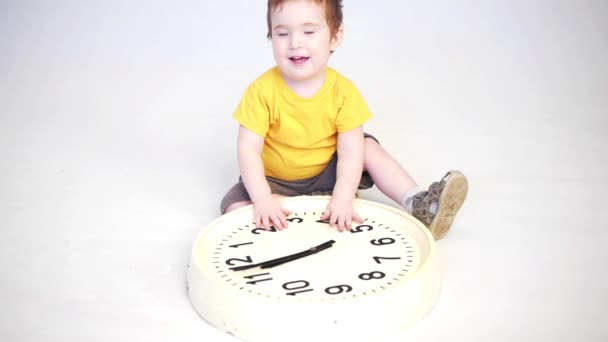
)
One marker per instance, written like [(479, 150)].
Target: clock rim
[(425, 262), (236, 312)]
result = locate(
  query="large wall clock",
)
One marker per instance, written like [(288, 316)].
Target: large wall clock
[(310, 282)]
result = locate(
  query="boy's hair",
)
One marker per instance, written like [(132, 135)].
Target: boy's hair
[(333, 13)]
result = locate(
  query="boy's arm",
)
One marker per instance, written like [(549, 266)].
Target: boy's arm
[(267, 209), (340, 209)]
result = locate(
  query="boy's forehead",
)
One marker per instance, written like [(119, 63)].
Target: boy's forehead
[(298, 12)]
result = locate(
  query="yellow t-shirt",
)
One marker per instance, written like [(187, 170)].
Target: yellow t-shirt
[(300, 135)]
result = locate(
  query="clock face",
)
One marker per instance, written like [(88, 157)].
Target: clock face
[(383, 252)]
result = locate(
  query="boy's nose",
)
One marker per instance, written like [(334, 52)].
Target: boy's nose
[(295, 41)]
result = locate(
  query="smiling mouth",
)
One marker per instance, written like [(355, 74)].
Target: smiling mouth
[(298, 59)]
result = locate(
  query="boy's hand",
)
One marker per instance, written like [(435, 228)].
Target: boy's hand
[(341, 212), (269, 212)]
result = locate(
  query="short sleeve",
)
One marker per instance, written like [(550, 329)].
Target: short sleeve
[(353, 110), (253, 112)]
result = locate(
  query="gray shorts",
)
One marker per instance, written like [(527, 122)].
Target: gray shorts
[(323, 182)]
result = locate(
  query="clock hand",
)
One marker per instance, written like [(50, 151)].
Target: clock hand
[(311, 251), (288, 258)]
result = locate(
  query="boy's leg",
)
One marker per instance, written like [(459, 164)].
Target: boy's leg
[(436, 207), (388, 175), (237, 205), (238, 197), (235, 198)]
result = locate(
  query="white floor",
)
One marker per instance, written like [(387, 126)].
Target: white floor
[(117, 145)]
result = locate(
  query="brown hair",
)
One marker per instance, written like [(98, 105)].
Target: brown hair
[(333, 13)]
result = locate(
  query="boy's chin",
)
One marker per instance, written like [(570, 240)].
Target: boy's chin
[(297, 76)]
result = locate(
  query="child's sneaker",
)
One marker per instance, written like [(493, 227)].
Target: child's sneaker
[(449, 194)]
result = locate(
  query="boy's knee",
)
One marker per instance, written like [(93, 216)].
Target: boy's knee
[(235, 206), (370, 143)]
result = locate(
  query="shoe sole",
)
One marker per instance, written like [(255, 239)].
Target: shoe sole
[(450, 201)]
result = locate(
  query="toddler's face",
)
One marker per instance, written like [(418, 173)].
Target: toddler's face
[(301, 39)]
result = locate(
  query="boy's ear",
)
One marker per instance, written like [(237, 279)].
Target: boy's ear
[(336, 40)]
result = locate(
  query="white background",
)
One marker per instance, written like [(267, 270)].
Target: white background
[(117, 145)]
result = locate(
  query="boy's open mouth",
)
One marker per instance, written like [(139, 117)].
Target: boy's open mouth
[(298, 59)]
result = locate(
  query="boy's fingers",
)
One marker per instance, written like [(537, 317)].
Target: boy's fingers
[(283, 217), (348, 223), (333, 220), (284, 222), (344, 223), (279, 222), (266, 222), (258, 221)]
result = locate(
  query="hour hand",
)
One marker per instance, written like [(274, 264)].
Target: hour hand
[(288, 258)]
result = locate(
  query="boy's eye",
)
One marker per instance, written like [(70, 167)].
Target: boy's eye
[(282, 34), (309, 32)]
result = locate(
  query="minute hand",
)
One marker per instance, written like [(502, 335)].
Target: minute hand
[(288, 258)]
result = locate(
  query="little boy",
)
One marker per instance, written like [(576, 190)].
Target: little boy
[(301, 132)]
